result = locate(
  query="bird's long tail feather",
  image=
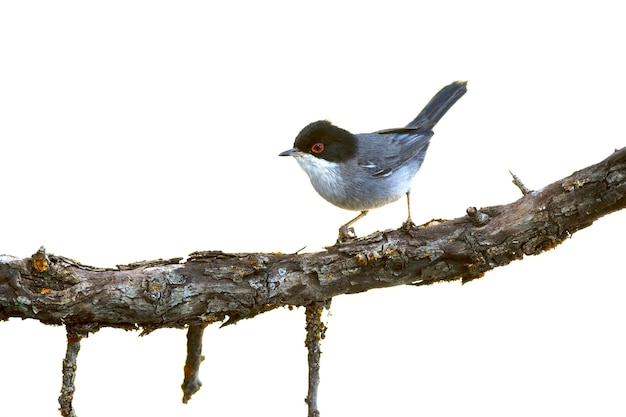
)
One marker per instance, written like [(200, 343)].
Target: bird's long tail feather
[(439, 105)]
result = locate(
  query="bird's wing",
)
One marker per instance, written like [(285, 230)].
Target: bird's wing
[(390, 149)]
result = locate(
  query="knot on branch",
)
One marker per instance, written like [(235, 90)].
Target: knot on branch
[(396, 266), (40, 260), (477, 217)]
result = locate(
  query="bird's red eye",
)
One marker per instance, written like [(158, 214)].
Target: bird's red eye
[(317, 148)]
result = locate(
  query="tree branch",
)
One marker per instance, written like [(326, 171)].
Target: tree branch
[(75, 333), (315, 332), (191, 383), (213, 286)]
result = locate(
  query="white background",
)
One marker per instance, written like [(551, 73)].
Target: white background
[(136, 130)]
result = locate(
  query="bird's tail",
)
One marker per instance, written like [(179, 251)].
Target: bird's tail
[(439, 105)]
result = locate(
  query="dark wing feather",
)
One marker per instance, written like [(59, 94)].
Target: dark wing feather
[(390, 150)]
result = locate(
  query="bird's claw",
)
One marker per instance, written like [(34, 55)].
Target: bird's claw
[(346, 233), (408, 224)]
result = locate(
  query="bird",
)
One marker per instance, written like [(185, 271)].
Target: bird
[(364, 171)]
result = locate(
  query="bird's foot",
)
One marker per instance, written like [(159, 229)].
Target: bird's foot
[(408, 225), (346, 234)]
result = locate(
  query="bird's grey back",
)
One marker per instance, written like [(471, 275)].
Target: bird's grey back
[(390, 149), (382, 154)]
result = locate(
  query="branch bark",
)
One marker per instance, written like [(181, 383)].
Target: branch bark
[(74, 335), (213, 286), (315, 332), (191, 383)]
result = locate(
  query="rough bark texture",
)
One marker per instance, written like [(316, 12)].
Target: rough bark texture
[(214, 286), (74, 335), (191, 383), (315, 332)]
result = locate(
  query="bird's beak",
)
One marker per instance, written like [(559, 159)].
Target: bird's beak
[(290, 152)]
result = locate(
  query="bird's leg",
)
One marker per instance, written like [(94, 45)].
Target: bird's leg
[(346, 232), (409, 222)]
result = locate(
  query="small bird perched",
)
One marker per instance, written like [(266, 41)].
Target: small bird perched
[(369, 170)]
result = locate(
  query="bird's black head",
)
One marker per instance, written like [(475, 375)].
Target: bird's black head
[(324, 140)]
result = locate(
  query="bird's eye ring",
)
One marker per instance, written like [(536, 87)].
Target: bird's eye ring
[(317, 148)]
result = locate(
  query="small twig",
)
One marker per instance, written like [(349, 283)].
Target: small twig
[(315, 332), (525, 190), (75, 333), (191, 383)]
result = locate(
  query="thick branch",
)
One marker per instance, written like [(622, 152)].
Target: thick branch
[(214, 286)]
